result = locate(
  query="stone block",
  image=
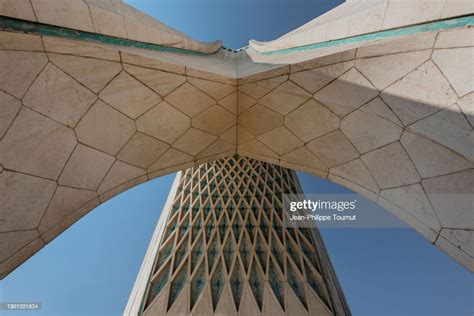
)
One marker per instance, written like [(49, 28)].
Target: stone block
[(27, 195), (218, 149), (303, 157), (64, 203), (402, 44), (368, 131), (193, 141), (315, 79), (19, 41), (92, 73), (260, 119), (375, 68), (171, 158), (256, 147), (36, 145), (9, 108), (80, 48), (119, 173), (454, 8), (189, 100), (142, 150), (243, 135), (452, 197), (230, 102), (68, 13), (86, 168), (164, 122), (214, 89), (19, 69), (346, 93), (285, 98), (466, 104), (432, 159), (402, 13), (20, 9), (260, 88), (455, 38), (58, 96), (214, 120), (457, 65), (150, 62), (412, 199), (464, 239), (136, 30), (280, 140), (324, 61), (129, 96), (419, 94), (377, 107), (159, 81), (107, 22), (391, 166), (311, 120), (356, 172), (105, 128), (230, 135), (244, 102), (333, 148), (449, 128), (10, 242)]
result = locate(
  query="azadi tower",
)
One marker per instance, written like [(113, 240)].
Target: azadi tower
[(224, 246), (375, 95)]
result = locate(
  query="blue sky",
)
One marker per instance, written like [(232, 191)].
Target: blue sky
[(234, 22), (90, 269)]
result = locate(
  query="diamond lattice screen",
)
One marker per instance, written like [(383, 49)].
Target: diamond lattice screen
[(226, 232)]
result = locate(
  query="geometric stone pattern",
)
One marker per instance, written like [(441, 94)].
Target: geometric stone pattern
[(84, 137), (68, 125), (226, 247), (387, 135)]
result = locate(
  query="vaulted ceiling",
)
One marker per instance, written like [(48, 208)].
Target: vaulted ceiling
[(86, 116)]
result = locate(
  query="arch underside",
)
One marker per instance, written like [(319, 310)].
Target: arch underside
[(81, 122)]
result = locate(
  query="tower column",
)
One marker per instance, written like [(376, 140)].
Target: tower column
[(222, 246)]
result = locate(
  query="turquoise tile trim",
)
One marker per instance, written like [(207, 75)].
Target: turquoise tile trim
[(29, 27), (408, 30)]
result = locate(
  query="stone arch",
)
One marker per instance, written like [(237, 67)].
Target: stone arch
[(391, 121), (83, 121)]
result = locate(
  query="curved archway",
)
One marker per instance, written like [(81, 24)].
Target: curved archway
[(82, 122)]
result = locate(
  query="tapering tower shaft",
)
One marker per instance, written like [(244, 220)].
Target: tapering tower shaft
[(222, 246)]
